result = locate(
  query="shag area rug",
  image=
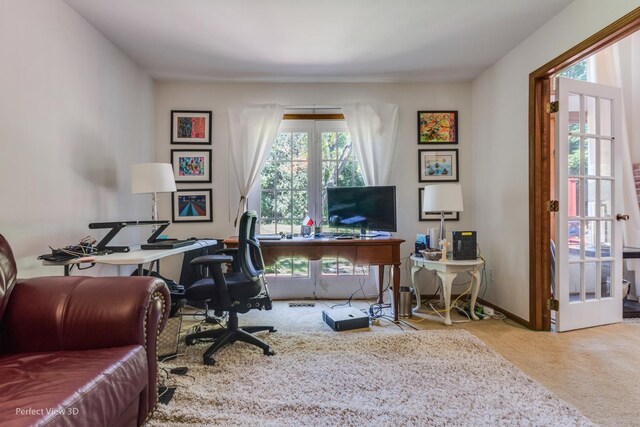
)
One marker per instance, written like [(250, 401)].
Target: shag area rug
[(357, 378)]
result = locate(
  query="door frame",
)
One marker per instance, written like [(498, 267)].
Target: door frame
[(540, 173)]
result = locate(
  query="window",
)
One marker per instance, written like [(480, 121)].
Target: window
[(306, 158)]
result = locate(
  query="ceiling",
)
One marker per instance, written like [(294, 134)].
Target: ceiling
[(319, 40)]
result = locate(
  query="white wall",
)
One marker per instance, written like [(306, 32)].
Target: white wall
[(410, 98), (500, 152), (75, 113)]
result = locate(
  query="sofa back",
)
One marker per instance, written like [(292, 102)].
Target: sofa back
[(7, 274)]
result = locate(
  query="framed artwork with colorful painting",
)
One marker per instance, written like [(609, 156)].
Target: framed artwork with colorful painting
[(190, 127), (191, 165), (438, 165), (192, 206), (437, 127)]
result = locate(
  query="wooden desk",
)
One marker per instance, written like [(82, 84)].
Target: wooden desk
[(136, 256), (377, 251)]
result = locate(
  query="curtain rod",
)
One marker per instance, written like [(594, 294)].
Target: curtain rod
[(313, 107)]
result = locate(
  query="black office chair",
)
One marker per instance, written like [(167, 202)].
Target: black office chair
[(235, 292)]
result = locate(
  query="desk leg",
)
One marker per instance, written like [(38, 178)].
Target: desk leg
[(67, 270), (396, 292), (475, 288), (140, 269), (380, 284), (447, 280)]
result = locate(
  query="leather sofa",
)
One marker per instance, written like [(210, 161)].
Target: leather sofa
[(78, 351)]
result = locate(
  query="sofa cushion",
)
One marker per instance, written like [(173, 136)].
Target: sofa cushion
[(85, 388)]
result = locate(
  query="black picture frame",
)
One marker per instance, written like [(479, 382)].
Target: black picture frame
[(191, 127), (434, 216), (198, 168), (199, 209), (438, 165), (435, 127)]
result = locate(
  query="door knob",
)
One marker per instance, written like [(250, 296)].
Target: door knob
[(621, 217)]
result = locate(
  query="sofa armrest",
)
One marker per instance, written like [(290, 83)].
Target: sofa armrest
[(81, 313)]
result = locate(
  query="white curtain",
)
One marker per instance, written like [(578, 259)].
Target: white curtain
[(606, 67), (252, 130), (373, 129)]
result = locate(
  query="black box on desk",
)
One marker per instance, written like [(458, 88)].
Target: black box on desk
[(343, 319), (465, 245)]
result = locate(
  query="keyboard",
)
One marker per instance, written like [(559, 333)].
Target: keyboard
[(268, 237), (167, 244)]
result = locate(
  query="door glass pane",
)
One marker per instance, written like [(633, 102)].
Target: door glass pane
[(605, 237), (590, 280), (590, 125), (590, 154), (605, 279), (590, 239), (605, 157), (606, 203), (575, 281), (574, 239), (573, 196), (574, 154), (605, 117), (591, 205), (299, 146), (574, 113), (267, 206), (299, 176)]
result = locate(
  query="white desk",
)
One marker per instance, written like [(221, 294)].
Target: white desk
[(136, 256), (447, 271)]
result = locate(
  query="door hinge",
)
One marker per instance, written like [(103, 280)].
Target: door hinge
[(553, 107), (553, 206), (553, 304)]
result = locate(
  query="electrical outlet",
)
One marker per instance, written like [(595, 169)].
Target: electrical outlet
[(488, 311)]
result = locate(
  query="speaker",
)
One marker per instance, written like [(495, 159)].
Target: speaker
[(464, 245)]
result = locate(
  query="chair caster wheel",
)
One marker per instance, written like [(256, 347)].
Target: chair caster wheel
[(208, 361), (269, 352), (189, 341), (273, 330)]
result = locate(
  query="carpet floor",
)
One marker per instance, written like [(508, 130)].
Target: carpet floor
[(362, 377)]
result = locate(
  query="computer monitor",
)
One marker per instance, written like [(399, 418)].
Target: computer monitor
[(363, 208)]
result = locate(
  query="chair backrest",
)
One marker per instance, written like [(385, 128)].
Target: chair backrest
[(248, 245), (249, 254)]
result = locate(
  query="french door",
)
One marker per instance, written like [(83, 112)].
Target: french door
[(306, 158), (588, 257)]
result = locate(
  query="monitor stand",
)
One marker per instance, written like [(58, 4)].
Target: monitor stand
[(365, 233)]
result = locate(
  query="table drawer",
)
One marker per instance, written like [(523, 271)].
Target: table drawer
[(374, 255)]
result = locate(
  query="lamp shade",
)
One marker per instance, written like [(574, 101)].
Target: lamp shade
[(442, 198), (152, 178)]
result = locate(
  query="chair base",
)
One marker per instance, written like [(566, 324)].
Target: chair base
[(230, 335)]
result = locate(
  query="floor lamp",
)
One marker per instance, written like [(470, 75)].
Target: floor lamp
[(152, 178), (442, 198)]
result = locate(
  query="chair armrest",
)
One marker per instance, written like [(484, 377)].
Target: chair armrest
[(81, 313), (235, 264), (214, 263)]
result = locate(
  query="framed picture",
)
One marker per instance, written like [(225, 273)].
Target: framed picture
[(192, 206), (438, 165), (191, 165), (434, 216), (437, 127), (190, 127)]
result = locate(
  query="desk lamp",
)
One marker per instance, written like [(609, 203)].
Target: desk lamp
[(152, 178), (442, 198)]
